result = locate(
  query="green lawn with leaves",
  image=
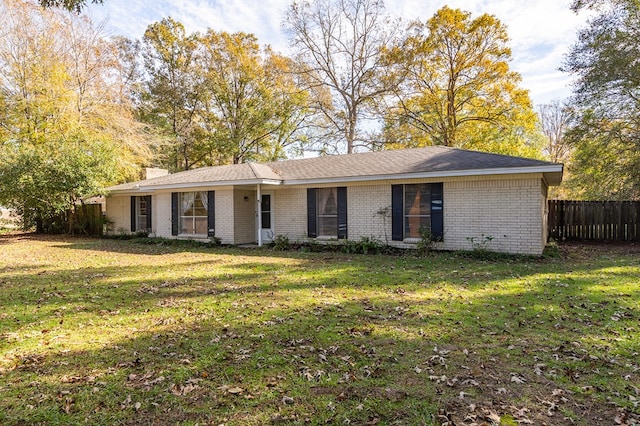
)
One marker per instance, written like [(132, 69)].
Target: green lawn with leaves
[(100, 331)]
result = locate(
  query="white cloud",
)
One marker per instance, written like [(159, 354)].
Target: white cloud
[(541, 31)]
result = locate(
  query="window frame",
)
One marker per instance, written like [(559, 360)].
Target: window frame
[(313, 213), (398, 214), (407, 217), (197, 197), (136, 223), (142, 218), (322, 217)]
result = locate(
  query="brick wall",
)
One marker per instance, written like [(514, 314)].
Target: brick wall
[(505, 210), (161, 215), (245, 216), (510, 209), (224, 215), (290, 212), (118, 211)]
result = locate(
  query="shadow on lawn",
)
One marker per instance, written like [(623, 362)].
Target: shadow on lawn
[(361, 359), (346, 337)]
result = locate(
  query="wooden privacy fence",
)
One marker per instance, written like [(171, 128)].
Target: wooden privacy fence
[(86, 219), (83, 219), (594, 220)]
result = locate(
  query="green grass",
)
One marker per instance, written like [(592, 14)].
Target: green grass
[(116, 332)]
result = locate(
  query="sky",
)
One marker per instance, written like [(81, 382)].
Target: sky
[(541, 31)]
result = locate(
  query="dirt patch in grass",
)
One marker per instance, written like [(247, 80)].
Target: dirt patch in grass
[(586, 249)]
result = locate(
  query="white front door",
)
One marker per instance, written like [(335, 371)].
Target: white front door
[(266, 212)]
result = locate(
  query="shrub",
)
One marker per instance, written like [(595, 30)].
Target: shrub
[(280, 243), (366, 245), (425, 245), (481, 243)]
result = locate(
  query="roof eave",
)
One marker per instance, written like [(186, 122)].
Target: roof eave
[(552, 173), (187, 185)]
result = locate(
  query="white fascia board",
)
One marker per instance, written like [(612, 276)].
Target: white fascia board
[(429, 175), (187, 185)]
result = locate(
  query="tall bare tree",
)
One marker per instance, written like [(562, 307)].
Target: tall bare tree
[(340, 45), (556, 119)]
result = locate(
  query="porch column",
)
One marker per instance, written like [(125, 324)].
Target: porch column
[(259, 208)]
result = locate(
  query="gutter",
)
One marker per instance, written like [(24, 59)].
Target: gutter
[(429, 175)]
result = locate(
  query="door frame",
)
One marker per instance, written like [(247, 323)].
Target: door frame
[(266, 233)]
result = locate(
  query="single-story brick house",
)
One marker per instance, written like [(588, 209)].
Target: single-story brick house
[(389, 195)]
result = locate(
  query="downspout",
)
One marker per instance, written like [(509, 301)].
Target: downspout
[(259, 210)]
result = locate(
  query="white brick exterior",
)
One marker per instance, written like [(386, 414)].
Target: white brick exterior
[(505, 210), (160, 215), (119, 214), (244, 229), (510, 209)]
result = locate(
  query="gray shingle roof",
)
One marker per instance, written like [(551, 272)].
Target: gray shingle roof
[(382, 164)]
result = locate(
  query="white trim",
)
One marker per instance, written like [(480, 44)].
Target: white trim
[(210, 184), (189, 185), (259, 211), (426, 175)]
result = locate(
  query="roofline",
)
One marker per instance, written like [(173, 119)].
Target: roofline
[(152, 188), (551, 168), (555, 168)]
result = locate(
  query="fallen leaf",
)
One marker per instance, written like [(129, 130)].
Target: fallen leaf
[(287, 400), (517, 379), (235, 390)]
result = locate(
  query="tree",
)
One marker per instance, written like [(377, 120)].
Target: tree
[(458, 89), (556, 119), (606, 162), (606, 62), (340, 46), (174, 91), (66, 131), (70, 5), (218, 97), (253, 107)]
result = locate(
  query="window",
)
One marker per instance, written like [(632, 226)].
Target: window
[(327, 212), (327, 202), (193, 213), (141, 213), (416, 207), (194, 208), (265, 211)]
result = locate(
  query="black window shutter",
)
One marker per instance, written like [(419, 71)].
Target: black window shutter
[(311, 213), (133, 213), (397, 220), (211, 213), (437, 210), (175, 219), (148, 197), (342, 212)]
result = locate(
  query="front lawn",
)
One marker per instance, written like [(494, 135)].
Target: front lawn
[(116, 332)]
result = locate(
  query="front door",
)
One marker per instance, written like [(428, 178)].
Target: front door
[(266, 212)]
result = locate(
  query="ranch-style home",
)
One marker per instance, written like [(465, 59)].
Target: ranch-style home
[(462, 197)]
